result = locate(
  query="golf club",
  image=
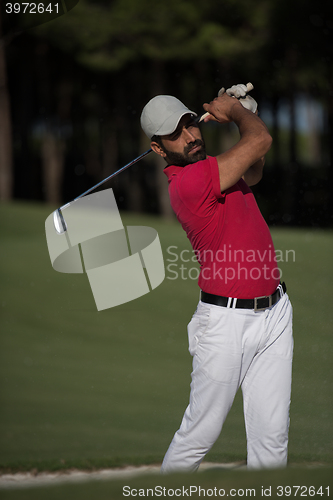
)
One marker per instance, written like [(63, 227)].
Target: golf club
[(58, 218)]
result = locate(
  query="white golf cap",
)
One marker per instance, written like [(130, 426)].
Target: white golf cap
[(162, 114)]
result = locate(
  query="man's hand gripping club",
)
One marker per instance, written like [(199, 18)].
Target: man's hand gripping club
[(240, 92)]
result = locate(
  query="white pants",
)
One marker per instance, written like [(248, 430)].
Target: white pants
[(233, 348)]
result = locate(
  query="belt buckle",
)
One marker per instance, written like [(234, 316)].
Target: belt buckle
[(256, 308)]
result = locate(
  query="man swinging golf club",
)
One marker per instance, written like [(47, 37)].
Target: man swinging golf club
[(241, 332)]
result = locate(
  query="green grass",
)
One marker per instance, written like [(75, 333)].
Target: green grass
[(95, 389)]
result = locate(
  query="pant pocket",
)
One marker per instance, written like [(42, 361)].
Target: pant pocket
[(197, 326), (219, 350)]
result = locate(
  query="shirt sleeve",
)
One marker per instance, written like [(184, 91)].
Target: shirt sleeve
[(215, 178)]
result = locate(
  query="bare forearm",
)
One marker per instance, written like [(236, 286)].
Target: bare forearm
[(244, 159), (254, 174), (253, 130), (254, 142)]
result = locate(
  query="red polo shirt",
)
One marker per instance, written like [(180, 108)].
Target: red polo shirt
[(230, 237)]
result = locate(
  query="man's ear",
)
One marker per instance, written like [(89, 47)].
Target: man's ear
[(157, 149)]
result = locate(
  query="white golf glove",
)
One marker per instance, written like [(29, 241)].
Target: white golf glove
[(237, 91), (240, 92)]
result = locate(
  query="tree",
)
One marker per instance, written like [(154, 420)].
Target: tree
[(124, 52), (6, 160)]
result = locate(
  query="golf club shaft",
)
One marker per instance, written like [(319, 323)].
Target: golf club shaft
[(110, 177)]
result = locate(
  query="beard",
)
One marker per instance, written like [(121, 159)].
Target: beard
[(185, 158)]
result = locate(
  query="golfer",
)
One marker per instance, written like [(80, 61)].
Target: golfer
[(241, 332)]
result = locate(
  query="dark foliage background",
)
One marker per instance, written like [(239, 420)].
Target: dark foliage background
[(72, 90)]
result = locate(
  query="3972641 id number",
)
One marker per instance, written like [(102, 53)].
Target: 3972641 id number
[(31, 8), (302, 491)]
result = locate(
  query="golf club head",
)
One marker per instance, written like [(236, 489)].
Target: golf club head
[(59, 222)]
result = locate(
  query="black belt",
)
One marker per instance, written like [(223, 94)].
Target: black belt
[(258, 303)]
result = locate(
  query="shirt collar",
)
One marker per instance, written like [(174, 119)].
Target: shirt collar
[(171, 170)]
